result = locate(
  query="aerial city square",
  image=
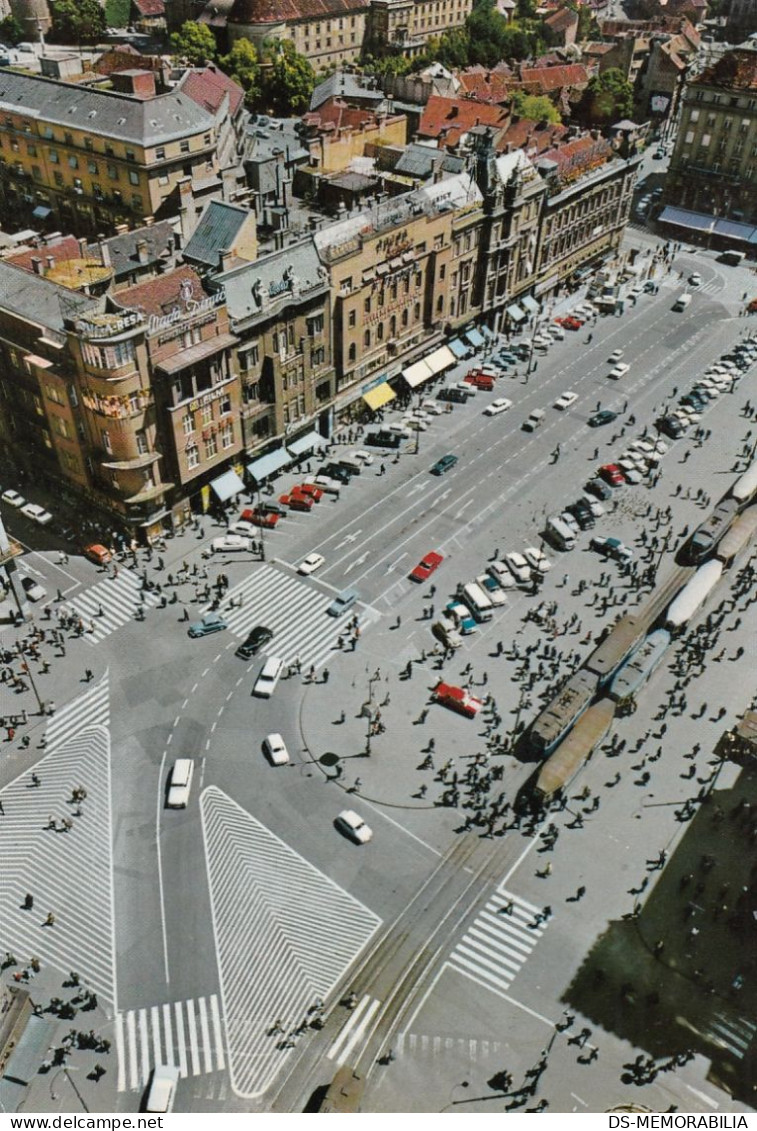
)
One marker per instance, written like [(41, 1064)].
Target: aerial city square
[(378, 514)]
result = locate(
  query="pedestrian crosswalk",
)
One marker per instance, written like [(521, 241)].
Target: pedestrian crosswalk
[(187, 1034), (91, 708), (733, 1033), (294, 609), (471, 1049), (498, 942), (285, 934), (354, 1031), (110, 604)]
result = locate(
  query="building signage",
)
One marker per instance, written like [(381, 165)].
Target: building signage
[(107, 325), (192, 307), (208, 398)]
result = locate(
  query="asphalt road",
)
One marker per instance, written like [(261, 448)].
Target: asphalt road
[(255, 867)]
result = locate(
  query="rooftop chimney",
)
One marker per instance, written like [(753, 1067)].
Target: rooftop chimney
[(104, 253), (143, 254), (50, 260), (37, 267), (83, 248)]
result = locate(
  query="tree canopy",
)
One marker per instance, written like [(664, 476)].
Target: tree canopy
[(11, 31), (607, 99), (536, 107), (243, 66), (195, 43), (77, 21), (286, 78)]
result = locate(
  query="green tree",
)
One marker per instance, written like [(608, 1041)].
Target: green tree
[(391, 65), (526, 9), (451, 48), (242, 64), (77, 21), (537, 107), (607, 99), (11, 31), (287, 78), (195, 43)]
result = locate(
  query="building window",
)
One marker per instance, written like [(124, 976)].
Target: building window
[(133, 177), (193, 457), (207, 413), (73, 162), (54, 158), (188, 423), (352, 318), (92, 168), (352, 352), (315, 325), (367, 305), (105, 437), (211, 446), (160, 153), (142, 443), (227, 435), (184, 147), (225, 406), (113, 172), (163, 179)]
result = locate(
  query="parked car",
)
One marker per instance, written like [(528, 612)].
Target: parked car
[(209, 624), (246, 529), (612, 474), (492, 589), (426, 566), (445, 632), (37, 513), (256, 639), (352, 825), (519, 568), (309, 490), (267, 521), (13, 499), (537, 559), (297, 502), (310, 564), (231, 543), (599, 488), (611, 548), (382, 438)]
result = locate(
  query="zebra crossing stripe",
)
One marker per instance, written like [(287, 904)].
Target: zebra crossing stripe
[(187, 1034), (205, 1035), (118, 597), (194, 1051), (495, 946), (354, 1030), (180, 1038), (216, 1013), (90, 708)]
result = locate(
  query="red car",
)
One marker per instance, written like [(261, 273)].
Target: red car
[(458, 699), (426, 567), (297, 502), (98, 554), (612, 474), (483, 381), (570, 322), (259, 518), (309, 489)]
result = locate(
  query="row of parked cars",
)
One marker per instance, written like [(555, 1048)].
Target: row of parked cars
[(33, 511), (720, 377)]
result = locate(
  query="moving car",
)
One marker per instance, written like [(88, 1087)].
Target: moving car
[(533, 420), (611, 548), (97, 554), (604, 416), (180, 783), (162, 1093), (502, 404), (537, 559), (619, 370), (268, 677), (612, 474), (519, 568), (458, 699), (310, 564), (33, 590), (427, 566), (256, 639), (443, 464), (12, 498), (229, 543), (695, 280), (615, 356), (275, 750), (352, 825), (566, 400), (367, 458), (342, 602), (37, 513), (210, 623)]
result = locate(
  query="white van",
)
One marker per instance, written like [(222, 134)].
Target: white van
[(534, 420), (560, 534), (351, 462), (681, 302), (162, 1093), (265, 684), (180, 784), (478, 601)]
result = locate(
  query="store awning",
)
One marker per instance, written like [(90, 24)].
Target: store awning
[(305, 443), (440, 359), (41, 212), (378, 397), (487, 333), (683, 218), (531, 305), (459, 349), (514, 311), (416, 374), (474, 338), (261, 468), (226, 486), (734, 230)]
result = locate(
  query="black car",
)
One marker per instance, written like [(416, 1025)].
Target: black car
[(257, 639), (522, 351), (383, 439), (599, 488), (695, 400), (671, 426), (457, 396), (336, 471), (273, 508), (581, 512), (604, 416)]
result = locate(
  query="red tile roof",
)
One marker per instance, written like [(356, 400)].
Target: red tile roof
[(562, 19), (334, 114), (576, 157), (163, 294), (736, 70), (448, 118), (150, 7), (533, 139), (487, 86), (61, 251), (275, 11), (544, 80), (207, 87)]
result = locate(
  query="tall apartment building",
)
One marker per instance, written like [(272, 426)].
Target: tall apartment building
[(334, 32), (89, 160), (713, 169)]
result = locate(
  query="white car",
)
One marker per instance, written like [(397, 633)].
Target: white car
[(310, 564), (433, 408), (502, 404), (695, 280), (501, 574), (246, 529), (557, 332), (631, 474), (537, 559), (615, 356), (33, 590), (496, 595), (231, 543), (519, 568), (566, 400), (353, 826), (570, 521), (619, 370), (275, 750), (37, 513), (12, 498), (644, 447), (596, 508), (364, 456), (415, 423), (635, 459), (691, 414)]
